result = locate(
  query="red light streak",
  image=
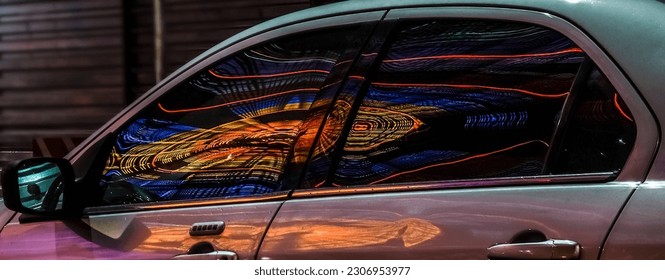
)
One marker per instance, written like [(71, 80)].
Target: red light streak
[(472, 87), (460, 160), (161, 107), (486, 56), (618, 106)]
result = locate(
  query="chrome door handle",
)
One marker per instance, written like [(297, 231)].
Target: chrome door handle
[(545, 250), (214, 255)]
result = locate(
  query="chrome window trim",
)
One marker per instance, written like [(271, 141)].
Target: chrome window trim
[(455, 184), (175, 204), (646, 142)]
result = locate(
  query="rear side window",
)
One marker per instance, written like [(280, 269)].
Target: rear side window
[(231, 130), (453, 100), (599, 132)]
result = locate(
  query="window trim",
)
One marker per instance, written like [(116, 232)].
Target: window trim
[(556, 142), (176, 204), (540, 180)]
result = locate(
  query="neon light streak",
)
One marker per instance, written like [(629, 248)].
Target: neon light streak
[(460, 160), (290, 60), (485, 56), (618, 106), (343, 62), (195, 171), (268, 75), (161, 107), (474, 87)]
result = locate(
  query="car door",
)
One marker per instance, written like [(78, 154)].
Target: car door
[(199, 167), (472, 133)]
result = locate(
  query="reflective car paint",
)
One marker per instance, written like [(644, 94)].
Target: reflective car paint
[(5, 214), (638, 233), (446, 224), (158, 234)]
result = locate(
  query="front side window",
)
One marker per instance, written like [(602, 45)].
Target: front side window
[(231, 129), (462, 99)]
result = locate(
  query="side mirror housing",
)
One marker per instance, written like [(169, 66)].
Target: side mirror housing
[(38, 186)]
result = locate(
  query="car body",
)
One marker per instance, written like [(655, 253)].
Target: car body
[(466, 129)]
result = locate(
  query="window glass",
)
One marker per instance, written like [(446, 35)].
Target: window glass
[(230, 130), (599, 132), (466, 99)]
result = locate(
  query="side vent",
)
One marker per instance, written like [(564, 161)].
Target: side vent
[(206, 228)]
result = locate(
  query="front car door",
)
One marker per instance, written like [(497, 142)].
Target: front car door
[(471, 133), (199, 167)]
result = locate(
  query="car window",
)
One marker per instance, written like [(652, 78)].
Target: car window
[(599, 131), (232, 129), (464, 99)]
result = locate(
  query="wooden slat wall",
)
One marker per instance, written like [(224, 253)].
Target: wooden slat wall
[(191, 27), (140, 46), (61, 68), (67, 66)]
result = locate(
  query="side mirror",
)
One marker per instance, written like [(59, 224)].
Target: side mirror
[(37, 185)]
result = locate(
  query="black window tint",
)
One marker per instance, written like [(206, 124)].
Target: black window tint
[(461, 100), (230, 130), (599, 132)]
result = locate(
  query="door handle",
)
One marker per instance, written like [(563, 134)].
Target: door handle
[(214, 255), (552, 249), (206, 251)]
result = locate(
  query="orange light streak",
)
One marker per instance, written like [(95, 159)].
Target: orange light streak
[(307, 235), (618, 106), (486, 56), (459, 161), (331, 84), (473, 87), (268, 75), (193, 171), (357, 77), (161, 107)]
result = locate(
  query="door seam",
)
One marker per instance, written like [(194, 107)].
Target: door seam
[(265, 232), (615, 221)]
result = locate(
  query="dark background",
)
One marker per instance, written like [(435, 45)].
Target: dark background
[(66, 67)]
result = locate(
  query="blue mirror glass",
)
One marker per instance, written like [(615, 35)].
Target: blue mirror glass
[(40, 186)]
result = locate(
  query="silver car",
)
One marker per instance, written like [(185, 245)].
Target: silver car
[(467, 129)]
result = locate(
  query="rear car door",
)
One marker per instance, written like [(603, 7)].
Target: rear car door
[(472, 133), (198, 169)]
